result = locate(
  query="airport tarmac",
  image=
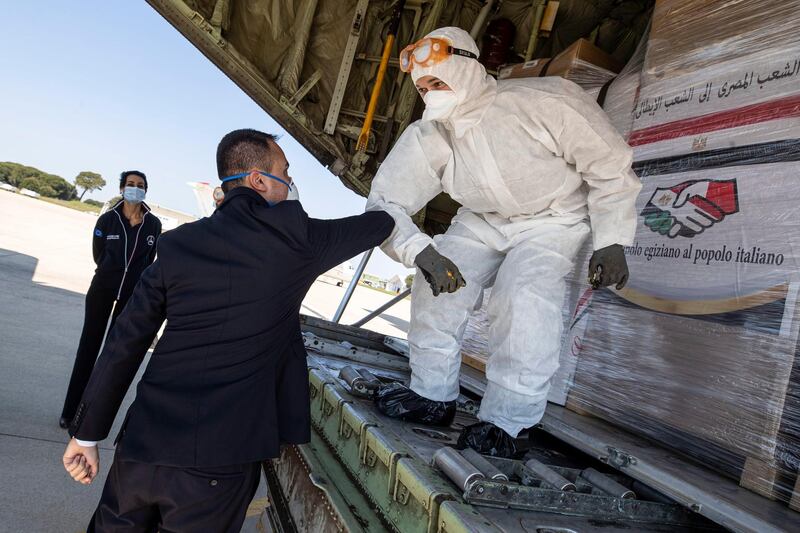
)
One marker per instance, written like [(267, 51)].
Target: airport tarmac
[(45, 269)]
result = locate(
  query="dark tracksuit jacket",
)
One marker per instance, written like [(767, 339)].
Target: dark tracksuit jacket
[(121, 253), (227, 383)]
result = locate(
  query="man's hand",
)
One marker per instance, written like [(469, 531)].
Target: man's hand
[(608, 266), (441, 273), (81, 463)]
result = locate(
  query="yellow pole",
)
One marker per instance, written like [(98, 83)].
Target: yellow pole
[(363, 138)]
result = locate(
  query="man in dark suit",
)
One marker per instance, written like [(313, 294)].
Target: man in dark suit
[(227, 383)]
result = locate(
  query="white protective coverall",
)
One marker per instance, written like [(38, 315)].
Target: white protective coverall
[(529, 160)]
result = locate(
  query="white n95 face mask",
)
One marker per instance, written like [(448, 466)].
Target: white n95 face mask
[(439, 105), (294, 194)]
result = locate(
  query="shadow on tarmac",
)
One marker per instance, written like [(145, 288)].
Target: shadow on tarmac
[(40, 327), (399, 323)]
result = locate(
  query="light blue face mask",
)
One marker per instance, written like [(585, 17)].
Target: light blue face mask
[(133, 195), (292, 195)]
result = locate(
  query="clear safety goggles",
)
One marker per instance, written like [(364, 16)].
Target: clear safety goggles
[(428, 52)]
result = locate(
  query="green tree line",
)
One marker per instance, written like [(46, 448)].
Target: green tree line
[(25, 177), (49, 185)]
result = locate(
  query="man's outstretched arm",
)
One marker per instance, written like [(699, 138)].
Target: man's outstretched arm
[(335, 241)]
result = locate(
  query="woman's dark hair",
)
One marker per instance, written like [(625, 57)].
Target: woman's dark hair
[(124, 176)]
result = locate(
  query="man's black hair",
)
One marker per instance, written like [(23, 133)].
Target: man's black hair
[(241, 151), (124, 176)]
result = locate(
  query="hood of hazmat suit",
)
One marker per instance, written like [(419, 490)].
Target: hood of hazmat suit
[(473, 87)]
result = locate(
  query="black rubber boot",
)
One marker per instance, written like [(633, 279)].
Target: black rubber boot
[(398, 401), (487, 439)]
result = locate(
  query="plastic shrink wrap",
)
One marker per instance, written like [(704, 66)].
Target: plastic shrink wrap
[(688, 36), (621, 96), (700, 351)]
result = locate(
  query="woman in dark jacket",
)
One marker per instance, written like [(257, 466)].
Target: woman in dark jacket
[(124, 244)]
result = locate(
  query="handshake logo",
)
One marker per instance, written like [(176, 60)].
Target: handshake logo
[(691, 207)]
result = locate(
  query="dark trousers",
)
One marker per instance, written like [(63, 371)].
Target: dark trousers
[(143, 498), (99, 303)]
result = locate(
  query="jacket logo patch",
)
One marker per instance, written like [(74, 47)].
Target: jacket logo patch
[(151, 240), (112, 237), (98, 232)]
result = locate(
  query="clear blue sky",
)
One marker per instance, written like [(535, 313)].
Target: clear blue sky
[(109, 85)]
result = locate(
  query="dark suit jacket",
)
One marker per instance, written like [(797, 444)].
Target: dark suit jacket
[(227, 382)]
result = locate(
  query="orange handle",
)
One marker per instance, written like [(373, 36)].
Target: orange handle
[(363, 138)]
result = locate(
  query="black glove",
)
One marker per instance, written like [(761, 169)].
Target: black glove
[(608, 267), (441, 273)]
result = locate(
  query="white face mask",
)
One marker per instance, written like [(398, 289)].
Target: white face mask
[(439, 105), (294, 194)]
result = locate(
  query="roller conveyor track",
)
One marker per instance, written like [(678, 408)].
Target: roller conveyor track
[(621, 481)]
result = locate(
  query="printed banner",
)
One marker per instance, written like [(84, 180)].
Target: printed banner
[(717, 234), (720, 107)]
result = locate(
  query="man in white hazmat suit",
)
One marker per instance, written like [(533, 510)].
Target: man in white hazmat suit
[(534, 163)]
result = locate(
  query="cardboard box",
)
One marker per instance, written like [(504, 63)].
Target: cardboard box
[(579, 53), (529, 69), (585, 51)]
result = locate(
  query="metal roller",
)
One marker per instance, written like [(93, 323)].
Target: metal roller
[(349, 374), (486, 468), (606, 484), (361, 382), (550, 476), (458, 469), (369, 376)]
